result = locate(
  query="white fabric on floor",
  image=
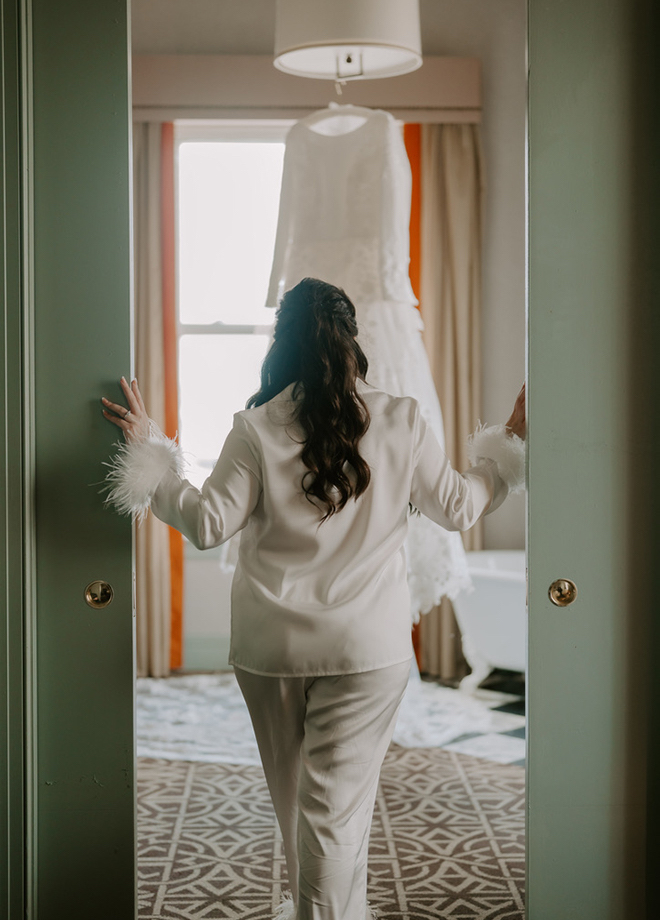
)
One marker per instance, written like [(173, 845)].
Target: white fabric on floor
[(203, 717)]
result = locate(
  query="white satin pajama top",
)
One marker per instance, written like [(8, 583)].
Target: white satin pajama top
[(311, 598)]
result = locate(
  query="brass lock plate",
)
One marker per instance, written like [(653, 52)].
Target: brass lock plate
[(562, 592), (99, 594)]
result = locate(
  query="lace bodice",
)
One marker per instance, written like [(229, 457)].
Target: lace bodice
[(345, 209)]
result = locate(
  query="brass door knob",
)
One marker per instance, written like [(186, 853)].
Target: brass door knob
[(99, 594), (562, 592)]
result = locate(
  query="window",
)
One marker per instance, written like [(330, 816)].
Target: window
[(228, 189)]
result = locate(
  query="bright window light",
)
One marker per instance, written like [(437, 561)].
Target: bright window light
[(229, 197), (217, 375), (228, 201)]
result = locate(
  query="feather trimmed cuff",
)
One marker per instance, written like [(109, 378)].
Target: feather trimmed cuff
[(286, 909), (137, 469), (507, 450)]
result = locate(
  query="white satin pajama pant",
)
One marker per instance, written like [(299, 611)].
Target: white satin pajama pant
[(322, 742)]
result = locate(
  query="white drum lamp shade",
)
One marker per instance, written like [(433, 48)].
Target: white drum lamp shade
[(347, 39)]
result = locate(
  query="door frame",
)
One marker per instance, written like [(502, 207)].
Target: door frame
[(70, 797), (16, 453)]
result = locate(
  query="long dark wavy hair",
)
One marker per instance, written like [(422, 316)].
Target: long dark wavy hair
[(315, 348)]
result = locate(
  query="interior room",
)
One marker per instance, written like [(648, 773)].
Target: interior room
[(211, 123)]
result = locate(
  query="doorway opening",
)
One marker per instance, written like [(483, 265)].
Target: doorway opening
[(222, 331)]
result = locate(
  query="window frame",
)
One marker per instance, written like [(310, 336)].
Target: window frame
[(228, 130), (207, 131)]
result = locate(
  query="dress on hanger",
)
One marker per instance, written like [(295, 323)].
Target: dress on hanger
[(344, 218)]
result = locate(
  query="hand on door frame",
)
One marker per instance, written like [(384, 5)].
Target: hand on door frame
[(134, 420), (517, 423)]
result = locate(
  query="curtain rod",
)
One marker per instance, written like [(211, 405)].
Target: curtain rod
[(418, 115)]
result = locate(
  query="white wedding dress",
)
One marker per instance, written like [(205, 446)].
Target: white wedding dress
[(344, 218)]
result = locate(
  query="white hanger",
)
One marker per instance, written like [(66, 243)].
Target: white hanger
[(334, 109), (352, 117)]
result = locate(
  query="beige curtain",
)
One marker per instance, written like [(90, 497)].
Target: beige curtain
[(451, 230), (152, 540)]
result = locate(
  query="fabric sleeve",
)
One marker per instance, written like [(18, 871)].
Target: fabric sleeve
[(456, 500), (506, 450), (149, 473)]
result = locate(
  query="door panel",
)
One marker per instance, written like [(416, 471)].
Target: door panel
[(85, 788), (586, 669)]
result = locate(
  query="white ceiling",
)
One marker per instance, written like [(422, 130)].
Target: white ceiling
[(239, 26)]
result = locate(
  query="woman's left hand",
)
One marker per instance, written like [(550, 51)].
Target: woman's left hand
[(134, 421), (517, 423)]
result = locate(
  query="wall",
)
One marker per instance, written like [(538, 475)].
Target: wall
[(247, 86)]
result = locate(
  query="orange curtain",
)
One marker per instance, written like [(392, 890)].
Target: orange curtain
[(412, 136), (171, 377)]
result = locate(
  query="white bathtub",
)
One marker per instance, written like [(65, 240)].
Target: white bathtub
[(493, 617)]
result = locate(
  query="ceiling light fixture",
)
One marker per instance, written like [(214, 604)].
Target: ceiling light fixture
[(347, 39)]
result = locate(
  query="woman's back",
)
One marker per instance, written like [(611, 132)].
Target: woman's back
[(331, 597), (318, 474)]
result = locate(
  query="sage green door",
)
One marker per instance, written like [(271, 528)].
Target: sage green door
[(83, 834), (587, 437)]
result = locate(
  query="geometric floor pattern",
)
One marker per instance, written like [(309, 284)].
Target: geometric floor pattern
[(447, 840)]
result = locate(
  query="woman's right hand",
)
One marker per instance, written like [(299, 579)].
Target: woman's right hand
[(133, 421), (517, 423)]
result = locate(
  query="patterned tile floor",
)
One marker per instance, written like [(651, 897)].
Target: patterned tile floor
[(505, 746), (447, 840)]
